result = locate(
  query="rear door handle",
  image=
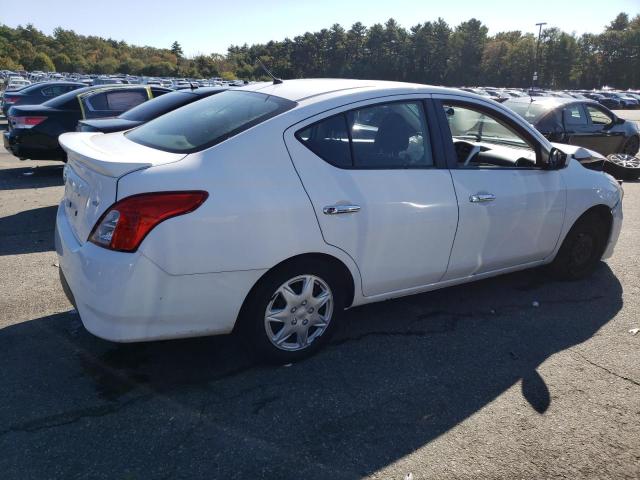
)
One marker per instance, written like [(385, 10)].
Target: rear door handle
[(339, 209), (482, 198)]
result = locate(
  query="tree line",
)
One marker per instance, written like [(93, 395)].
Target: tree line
[(432, 52)]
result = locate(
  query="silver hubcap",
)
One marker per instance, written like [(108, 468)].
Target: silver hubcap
[(299, 312)]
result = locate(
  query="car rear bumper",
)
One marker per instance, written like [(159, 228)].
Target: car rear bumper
[(125, 297), (616, 226), (17, 146)]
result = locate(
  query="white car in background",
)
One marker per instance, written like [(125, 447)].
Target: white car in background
[(271, 208), (17, 83)]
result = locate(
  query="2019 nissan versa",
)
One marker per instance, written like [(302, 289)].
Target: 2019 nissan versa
[(271, 208)]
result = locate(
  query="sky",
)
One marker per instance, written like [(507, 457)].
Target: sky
[(203, 26)]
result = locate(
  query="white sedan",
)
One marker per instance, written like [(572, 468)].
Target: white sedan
[(271, 208)]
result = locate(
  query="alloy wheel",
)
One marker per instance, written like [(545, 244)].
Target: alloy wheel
[(624, 160)]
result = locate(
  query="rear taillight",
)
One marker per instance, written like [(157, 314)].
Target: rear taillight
[(127, 222), (9, 100), (25, 122)]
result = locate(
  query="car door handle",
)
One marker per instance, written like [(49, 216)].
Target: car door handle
[(339, 209), (482, 198)]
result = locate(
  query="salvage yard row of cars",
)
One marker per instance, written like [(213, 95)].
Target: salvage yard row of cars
[(270, 208), (36, 124)]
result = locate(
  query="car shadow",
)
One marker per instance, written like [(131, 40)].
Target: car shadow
[(29, 231), (31, 177), (396, 376)]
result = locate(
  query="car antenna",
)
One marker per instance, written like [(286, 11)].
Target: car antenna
[(193, 85), (275, 79)]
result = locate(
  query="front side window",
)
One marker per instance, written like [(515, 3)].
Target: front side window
[(209, 121), (598, 117), (386, 136), (482, 139)]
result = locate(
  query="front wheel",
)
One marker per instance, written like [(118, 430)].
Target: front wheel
[(623, 166), (292, 311), (582, 248)]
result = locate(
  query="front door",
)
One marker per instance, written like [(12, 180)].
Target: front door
[(511, 210), (378, 191)]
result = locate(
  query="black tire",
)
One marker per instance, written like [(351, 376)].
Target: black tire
[(582, 248), (622, 166), (251, 322)]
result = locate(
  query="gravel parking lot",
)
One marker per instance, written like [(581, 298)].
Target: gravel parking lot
[(468, 382)]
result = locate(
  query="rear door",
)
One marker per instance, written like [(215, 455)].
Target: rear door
[(380, 189), (577, 130)]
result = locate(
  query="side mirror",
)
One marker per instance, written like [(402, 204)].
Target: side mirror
[(556, 159), (618, 121)]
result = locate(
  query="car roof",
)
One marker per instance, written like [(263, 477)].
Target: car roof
[(319, 89)]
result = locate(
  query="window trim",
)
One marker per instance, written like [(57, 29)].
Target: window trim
[(447, 139), (422, 101)]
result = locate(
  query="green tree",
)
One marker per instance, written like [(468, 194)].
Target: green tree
[(176, 49), (42, 62), (62, 63)]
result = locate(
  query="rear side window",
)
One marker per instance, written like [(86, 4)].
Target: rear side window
[(207, 122), (385, 136), (329, 139)]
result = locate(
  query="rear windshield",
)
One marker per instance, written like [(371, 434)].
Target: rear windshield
[(530, 111), (159, 105), (207, 122), (66, 101)]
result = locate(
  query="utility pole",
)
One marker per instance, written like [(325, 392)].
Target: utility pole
[(535, 59)]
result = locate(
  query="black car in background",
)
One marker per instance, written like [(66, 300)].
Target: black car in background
[(612, 103), (585, 123), (625, 101), (37, 93), (34, 129), (147, 111)]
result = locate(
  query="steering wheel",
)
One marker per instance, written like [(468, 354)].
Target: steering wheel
[(472, 153)]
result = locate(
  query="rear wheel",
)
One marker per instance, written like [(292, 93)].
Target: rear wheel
[(582, 248), (293, 310)]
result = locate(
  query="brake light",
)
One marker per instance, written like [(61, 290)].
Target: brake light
[(10, 100), (127, 222), (26, 122)]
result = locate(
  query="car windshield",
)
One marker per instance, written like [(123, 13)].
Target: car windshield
[(530, 111), (210, 121)]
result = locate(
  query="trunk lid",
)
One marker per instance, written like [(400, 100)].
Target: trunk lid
[(95, 162)]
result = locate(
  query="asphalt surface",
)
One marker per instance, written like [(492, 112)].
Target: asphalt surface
[(467, 382)]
